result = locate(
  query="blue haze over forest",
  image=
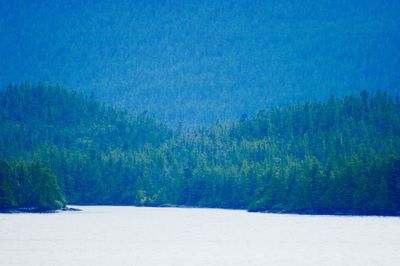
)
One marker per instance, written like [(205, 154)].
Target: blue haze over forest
[(265, 69), (201, 61)]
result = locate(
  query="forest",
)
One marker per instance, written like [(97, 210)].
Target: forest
[(337, 156), (28, 186), (180, 60)]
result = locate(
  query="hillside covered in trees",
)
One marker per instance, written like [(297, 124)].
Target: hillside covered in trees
[(185, 60), (337, 156)]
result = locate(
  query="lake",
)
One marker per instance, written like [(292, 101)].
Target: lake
[(107, 235)]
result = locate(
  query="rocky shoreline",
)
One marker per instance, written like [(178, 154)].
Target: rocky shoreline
[(38, 210)]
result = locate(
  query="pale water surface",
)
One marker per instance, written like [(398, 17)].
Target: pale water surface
[(102, 235)]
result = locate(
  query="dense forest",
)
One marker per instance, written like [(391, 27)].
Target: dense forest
[(341, 155), (28, 186), (182, 60)]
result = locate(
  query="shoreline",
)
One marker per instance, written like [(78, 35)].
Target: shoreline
[(38, 210), (309, 212)]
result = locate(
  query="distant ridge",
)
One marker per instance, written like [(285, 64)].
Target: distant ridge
[(198, 62)]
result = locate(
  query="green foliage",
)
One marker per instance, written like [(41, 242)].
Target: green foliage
[(28, 185), (7, 199), (339, 156)]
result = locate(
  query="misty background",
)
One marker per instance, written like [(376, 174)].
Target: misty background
[(197, 62)]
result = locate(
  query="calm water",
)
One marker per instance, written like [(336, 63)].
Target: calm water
[(170, 236)]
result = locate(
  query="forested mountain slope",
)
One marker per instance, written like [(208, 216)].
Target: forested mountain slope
[(338, 156), (79, 139), (37, 115), (197, 62)]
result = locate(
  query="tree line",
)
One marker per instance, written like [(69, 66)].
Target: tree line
[(337, 156), (28, 185)]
